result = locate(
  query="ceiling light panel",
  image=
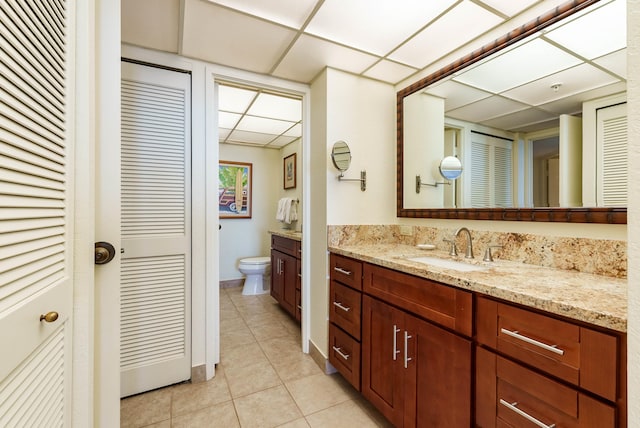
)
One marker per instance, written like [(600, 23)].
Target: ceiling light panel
[(263, 125), (571, 81), (282, 141), (521, 119), (247, 137), (295, 131), (285, 12), (574, 103), (533, 60), (310, 55), (232, 99), (596, 33), (486, 109), (389, 71), (511, 7), (616, 62), (277, 107), (228, 120), (376, 27), (456, 94), (445, 35)]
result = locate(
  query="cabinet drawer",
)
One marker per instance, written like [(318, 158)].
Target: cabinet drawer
[(507, 394), (346, 271), (447, 306), (345, 307), (344, 354), (286, 245), (579, 355)]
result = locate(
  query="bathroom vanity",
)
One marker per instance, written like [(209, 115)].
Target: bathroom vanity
[(502, 344), (286, 271)]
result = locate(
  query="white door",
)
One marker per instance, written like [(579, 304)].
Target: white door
[(36, 195), (611, 142), (155, 278)]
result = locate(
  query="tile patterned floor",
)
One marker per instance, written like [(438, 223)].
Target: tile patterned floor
[(263, 380)]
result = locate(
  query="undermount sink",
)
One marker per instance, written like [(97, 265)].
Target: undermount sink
[(448, 264)]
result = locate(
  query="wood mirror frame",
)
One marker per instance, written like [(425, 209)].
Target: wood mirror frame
[(567, 215)]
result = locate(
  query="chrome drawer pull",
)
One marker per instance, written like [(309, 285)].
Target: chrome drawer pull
[(516, 335), (346, 272), (396, 351), (344, 308), (406, 347), (512, 407), (339, 351)]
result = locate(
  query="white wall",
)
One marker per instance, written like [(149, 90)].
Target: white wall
[(633, 326), (249, 237)]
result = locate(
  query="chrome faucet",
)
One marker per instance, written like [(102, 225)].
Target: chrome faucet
[(468, 253)]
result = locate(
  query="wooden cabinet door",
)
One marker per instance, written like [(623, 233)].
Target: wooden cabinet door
[(277, 276), (438, 376), (382, 359), (290, 277)]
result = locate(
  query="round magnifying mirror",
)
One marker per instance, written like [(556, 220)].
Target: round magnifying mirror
[(341, 156), (450, 167)]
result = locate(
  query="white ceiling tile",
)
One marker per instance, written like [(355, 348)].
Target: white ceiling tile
[(616, 62), (228, 120), (285, 12), (577, 79), (456, 94), (277, 107), (250, 137), (263, 125), (222, 36), (443, 36), (520, 120), (376, 27), (310, 55), (574, 103), (294, 131), (596, 33), (223, 133), (532, 60), (511, 7), (151, 23), (234, 99), (282, 141), (486, 109), (389, 71)]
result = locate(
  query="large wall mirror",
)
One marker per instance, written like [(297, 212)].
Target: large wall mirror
[(537, 118)]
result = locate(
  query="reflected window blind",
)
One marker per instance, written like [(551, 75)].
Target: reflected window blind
[(33, 151)]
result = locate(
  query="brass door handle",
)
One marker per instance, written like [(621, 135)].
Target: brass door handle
[(49, 316)]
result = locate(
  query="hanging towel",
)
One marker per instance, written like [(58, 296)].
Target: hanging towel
[(290, 212), (280, 213)]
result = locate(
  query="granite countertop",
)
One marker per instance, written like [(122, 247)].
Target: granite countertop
[(287, 233), (594, 299)]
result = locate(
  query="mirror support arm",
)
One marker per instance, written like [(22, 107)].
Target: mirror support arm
[(420, 183), (362, 179)]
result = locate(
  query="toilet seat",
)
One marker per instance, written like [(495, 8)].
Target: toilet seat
[(256, 260)]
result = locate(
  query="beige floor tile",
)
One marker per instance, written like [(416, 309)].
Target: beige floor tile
[(163, 424), (232, 324), (298, 423), (262, 319), (220, 415), (347, 414), (229, 313), (318, 392), (252, 378), (238, 337), (280, 347), (242, 356), (269, 330), (268, 408), (145, 409), (190, 397), (296, 366)]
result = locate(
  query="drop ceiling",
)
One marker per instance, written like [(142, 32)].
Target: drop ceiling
[(386, 40)]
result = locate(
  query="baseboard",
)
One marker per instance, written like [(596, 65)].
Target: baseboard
[(230, 283), (198, 374), (320, 359)]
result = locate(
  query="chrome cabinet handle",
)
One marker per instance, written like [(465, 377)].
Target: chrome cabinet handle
[(406, 349), (516, 335), (513, 408), (346, 272), (396, 351), (344, 308), (339, 351)]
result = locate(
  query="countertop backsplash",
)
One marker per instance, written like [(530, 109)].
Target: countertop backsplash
[(594, 256)]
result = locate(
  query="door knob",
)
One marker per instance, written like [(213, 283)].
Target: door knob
[(49, 317), (104, 252)]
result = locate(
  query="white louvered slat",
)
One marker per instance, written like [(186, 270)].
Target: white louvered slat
[(153, 304), (614, 162), (31, 396), (480, 196), (502, 177)]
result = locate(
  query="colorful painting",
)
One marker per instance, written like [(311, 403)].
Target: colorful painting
[(234, 189)]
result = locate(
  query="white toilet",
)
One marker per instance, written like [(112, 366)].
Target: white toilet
[(257, 271)]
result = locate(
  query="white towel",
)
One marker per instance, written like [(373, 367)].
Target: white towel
[(287, 211), (280, 211)]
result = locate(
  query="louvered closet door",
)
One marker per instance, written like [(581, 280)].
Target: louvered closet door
[(35, 213), (491, 172), (611, 142), (156, 233)]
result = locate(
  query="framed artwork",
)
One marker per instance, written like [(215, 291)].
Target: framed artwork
[(290, 172), (234, 189)]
